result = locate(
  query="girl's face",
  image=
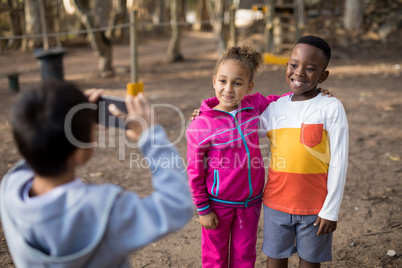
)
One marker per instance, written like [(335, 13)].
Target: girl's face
[(231, 84)]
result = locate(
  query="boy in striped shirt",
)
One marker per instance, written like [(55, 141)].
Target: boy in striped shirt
[(309, 155)]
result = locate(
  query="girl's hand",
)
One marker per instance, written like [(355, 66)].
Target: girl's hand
[(326, 226), (209, 221), (195, 113), (325, 92)]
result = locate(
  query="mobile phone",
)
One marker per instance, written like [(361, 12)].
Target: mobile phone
[(104, 117)]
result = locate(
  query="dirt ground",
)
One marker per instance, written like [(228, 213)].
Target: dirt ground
[(365, 77)]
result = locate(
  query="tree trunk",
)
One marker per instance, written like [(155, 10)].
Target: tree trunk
[(52, 21), (218, 25), (98, 40), (16, 22), (353, 14), (118, 16), (201, 16), (176, 12), (162, 12), (32, 24)]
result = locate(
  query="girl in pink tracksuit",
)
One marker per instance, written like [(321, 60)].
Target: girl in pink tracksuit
[(225, 166)]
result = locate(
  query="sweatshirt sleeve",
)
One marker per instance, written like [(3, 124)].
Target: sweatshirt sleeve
[(135, 221), (338, 133), (263, 120), (261, 102), (263, 124), (196, 153), (272, 98)]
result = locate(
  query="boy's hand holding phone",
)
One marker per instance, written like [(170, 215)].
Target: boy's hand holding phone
[(93, 95), (138, 116), (134, 110)]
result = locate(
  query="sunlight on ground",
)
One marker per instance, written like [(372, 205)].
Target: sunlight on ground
[(365, 70)]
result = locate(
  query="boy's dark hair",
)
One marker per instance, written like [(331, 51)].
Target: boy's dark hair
[(318, 43), (37, 119), (246, 55)]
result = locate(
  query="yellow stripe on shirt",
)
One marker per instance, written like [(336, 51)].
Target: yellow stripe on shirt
[(289, 154)]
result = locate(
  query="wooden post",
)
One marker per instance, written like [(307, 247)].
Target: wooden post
[(299, 19), (43, 22), (134, 87), (269, 26), (232, 25), (133, 46), (353, 17), (57, 22), (13, 81)]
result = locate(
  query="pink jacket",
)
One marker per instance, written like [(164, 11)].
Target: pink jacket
[(225, 166)]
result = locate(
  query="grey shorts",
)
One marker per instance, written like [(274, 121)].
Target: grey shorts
[(286, 234)]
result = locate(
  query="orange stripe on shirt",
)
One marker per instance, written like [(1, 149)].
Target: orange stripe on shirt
[(287, 192)]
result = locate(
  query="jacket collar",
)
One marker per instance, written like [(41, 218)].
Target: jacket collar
[(209, 104)]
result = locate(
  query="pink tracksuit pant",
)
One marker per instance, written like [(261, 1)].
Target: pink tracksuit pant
[(237, 226)]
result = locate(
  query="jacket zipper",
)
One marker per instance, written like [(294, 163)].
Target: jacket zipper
[(215, 186), (247, 151)]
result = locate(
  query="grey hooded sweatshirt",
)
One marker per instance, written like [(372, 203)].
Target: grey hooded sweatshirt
[(96, 225)]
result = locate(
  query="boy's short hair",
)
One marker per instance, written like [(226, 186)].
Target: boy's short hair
[(37, 120), (317, 42)]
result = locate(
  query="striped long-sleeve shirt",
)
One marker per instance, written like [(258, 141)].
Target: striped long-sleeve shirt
[(309, 156)]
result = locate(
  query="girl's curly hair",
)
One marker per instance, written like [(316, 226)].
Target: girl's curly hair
[(246, 55)]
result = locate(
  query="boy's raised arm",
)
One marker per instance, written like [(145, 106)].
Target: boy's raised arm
[(137, 221)]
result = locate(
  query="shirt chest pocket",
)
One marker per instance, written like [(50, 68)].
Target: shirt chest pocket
[(311, 134)]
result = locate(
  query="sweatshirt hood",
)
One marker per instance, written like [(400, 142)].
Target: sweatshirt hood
[(14, 184), (29, 226)]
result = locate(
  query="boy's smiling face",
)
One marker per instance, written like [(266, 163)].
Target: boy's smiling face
[(305, 70)]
